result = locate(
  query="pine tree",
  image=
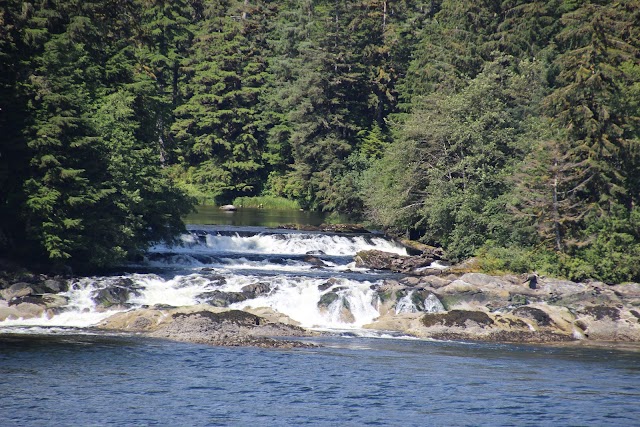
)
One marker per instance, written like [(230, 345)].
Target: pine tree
[(452, 48), (586, 102), (217, 125), (14, 156)]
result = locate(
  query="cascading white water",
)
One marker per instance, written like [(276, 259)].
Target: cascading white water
[(285, 244), (224, 264), (433, 305), (406, 305)]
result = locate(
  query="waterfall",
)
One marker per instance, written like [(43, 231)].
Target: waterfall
[(406, 305), (433, 305)]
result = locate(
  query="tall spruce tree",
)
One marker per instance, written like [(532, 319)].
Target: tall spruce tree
[(587, 101), (217, 125), (14, 155)]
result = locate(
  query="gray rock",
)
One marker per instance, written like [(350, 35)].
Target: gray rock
[(256, 289), (55, 285), (19, 289), (115, 293), (540, 317), (229, 328), (329, 283), (458, 318), (222, 299)]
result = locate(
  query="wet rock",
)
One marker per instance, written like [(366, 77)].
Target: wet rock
[(327, 299), (228, 208), (601, 312), (222, 299), (256, 289), (45, 300), (539, 337), (229, 328), (19, 289), (539, 316), (318, 252), (55, 285), (329, 283), (116, 293), (314, 261), (379, 260), (457, 318), (334, 300), (216, 320)]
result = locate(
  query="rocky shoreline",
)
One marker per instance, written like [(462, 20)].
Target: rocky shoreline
[(210, 325), (452, 303), (442, 302)]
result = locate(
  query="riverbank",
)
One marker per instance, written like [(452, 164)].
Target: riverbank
[(422, 296)]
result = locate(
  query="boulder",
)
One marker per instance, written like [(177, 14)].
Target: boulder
[(314, 261), (329, 283), (380, 260), (332, 300), (46, 300), (256, 289), (19, 289), (540, 317), (229, 328), (55, 285), (116, 293), (222, 299), (458, 318)]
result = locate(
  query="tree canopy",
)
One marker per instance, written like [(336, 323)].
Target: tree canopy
[(508, 130)]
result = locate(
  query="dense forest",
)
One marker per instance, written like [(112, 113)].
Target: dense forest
[(506, 129)]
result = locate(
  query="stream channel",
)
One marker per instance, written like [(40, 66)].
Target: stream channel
[(59, 370)]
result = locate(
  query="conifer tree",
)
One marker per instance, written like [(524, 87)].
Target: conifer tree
[(217, 125), (587, 101)]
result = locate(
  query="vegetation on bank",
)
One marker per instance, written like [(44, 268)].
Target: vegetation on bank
[(504, 129), (266, 202)]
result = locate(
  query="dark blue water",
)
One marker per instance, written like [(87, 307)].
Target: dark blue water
[(131, 381)]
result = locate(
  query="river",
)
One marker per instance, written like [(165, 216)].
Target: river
[(59, 370)]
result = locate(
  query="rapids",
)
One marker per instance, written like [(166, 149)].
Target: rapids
[(308, 276)]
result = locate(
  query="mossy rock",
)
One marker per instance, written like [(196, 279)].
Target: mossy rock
[(327, 299), (540, 317), (457, 318), (237, 317), (599, 312)]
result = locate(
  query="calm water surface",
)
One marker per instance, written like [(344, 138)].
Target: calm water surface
[(120, 380), (207, 215)]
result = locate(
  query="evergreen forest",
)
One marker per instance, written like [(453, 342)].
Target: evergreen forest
[(508, 130)]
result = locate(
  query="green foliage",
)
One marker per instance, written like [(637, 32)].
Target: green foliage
[(505, 129)]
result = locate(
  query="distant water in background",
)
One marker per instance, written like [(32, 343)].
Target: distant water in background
[(207, 215), (84, 380)]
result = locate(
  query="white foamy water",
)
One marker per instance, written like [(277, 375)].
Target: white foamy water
[(324, 292), (285, 244)]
